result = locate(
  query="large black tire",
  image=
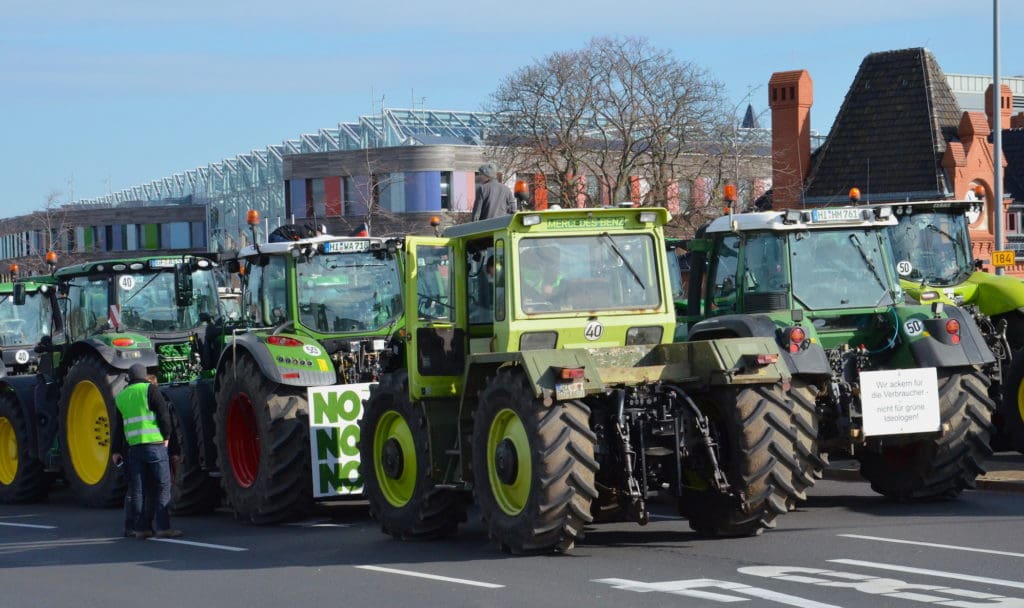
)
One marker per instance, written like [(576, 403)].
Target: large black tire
[(88, 417), (193, 490), (534, 466), (1011, 406), (263, 459), (756, 451), (22, 478), (810, 463), (946, 465), (394, 463)]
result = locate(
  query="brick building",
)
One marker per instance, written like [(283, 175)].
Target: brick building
[(899, 135)]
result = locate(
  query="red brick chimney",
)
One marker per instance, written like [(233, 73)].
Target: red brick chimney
[(1005, 106), (790, 95)]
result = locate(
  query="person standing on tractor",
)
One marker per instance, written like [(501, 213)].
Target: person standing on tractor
[(146, 427), (493, 198)]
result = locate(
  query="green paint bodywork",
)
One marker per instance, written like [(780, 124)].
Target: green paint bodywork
[(476, 351)]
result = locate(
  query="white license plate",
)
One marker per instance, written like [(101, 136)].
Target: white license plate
[(900, 401), (569, 390)]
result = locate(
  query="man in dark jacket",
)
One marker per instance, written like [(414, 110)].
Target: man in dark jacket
[(146, 430), (493, 198)]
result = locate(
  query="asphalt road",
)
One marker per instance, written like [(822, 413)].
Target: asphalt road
[(844, 547)]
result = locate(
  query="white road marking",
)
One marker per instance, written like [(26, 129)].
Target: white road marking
[(435, 577), (670, 517), (34, 526), (695, 588), (318, 523), (936, 573), (935, 545), (193, 543)]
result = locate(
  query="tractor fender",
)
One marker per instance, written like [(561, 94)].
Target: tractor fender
[(938, 350), (808, 361), (254, 346), (118, 358)]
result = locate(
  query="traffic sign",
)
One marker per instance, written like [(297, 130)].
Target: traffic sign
[(1004, 258)]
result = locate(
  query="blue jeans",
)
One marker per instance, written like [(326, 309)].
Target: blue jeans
[(150, 471)]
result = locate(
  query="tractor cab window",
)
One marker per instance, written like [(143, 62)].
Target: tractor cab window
[(764, 261), (933, 248), (265, 297), (480, 282), (148, 305), (87, 306), (25, 324), (434, 284), (345, 292), (839, 269), (722, 287), (588, 273)]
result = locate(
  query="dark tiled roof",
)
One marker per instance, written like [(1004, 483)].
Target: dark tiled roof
[(750, 119), (890, 133), (1013, 152)]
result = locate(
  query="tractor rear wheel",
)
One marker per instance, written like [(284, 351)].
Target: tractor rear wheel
[(88, 416), (193, 490), (22, 478), (534, 467), (756, 437), (394, 463), (810, 463), (946, 465), (264, 461)]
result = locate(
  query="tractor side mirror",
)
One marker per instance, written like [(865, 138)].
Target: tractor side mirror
[(183, 285), (19, 294), (233, 266)]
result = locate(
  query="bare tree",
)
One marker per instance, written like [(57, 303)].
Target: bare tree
[(617, 109)]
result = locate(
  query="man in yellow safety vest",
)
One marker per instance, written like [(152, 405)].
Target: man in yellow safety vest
[(147, 429)]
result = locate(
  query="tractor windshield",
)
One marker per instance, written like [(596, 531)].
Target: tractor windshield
[(839, 269), (932, 248), (25, 324), (346, 292), (147, 301), (588, 273)]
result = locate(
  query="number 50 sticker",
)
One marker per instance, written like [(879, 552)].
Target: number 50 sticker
[(914, 327)]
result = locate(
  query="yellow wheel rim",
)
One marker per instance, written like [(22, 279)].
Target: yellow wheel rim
[(8, 452), (1020, 400), (88, 433), (509, 465)]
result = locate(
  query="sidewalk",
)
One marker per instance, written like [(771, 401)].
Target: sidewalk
[(1005, 472)]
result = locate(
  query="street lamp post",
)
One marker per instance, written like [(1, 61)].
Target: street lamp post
[(997, 134)]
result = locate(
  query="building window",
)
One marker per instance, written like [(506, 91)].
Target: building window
[(1011, 222), (446, 190), (179, 235)]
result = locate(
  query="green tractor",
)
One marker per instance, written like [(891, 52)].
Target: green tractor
[(157, 311), (934, 260), (317, 319), (902, 387), (27, 313), (539, 378)]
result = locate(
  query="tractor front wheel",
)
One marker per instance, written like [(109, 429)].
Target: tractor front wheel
[(394, 463), (533, 465), (88, 416)]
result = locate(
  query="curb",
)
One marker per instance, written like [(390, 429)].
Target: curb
[(1013, 486)]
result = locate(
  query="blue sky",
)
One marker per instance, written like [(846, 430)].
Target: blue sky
[(99, 96)]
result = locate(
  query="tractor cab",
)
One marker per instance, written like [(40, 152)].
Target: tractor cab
[(27, 314)]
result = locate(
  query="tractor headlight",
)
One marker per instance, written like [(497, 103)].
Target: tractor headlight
[(643, 335), (538, 340)]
